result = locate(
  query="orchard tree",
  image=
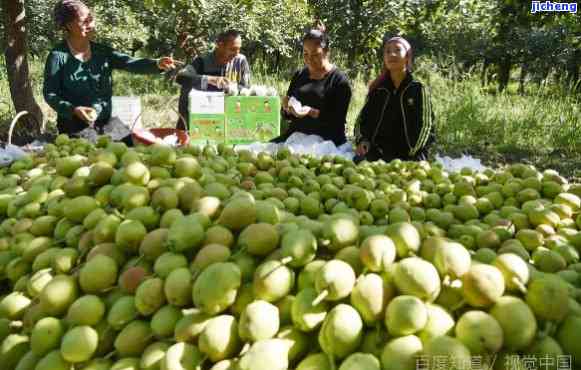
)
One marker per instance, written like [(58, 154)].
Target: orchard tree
[(357, 27), (17, 64), (270, 28)]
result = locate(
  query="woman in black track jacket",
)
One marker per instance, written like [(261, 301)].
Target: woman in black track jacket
[(397, 120)]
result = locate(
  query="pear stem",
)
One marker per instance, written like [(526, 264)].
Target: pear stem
[(200, 365), (195, 275), (244, 349), (332, 361), (286, 260), (320, 297), (446, 280), (239, 251), (459, 305), (520, 286)]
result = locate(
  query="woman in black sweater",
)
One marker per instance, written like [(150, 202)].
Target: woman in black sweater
[(397, 120), (323, 91)]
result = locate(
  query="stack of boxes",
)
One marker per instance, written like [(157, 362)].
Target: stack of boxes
[(217, 118)]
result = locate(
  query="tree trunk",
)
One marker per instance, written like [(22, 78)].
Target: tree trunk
[(521, 82), (504, 74), (17, 68), (484, 74), (277, 55), (352, 54), (573, 66)]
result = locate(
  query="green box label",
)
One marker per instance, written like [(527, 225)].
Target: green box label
[(207, 128), (252, 118), (246, 119)]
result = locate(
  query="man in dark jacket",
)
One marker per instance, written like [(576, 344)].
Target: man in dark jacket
[(213, 71)]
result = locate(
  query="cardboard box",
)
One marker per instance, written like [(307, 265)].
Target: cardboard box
[(215, 118), (252, 118), (127, 109), (207, 119)]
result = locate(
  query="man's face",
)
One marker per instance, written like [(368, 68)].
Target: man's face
[(229, 49)]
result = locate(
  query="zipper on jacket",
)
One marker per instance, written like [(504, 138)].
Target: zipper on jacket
[(405, 129), (381, 117)]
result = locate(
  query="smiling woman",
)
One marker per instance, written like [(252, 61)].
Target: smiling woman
[(78, 73), (397, 118), (318, 96)]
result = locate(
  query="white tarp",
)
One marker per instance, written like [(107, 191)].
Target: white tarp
[(299, 143), (314, 145), (456, 164)]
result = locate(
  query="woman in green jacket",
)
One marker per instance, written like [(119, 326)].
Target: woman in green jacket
[(78, 72)]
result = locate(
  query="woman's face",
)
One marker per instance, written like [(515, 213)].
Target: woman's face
[(395, 56), (314, 55), (83, 25)]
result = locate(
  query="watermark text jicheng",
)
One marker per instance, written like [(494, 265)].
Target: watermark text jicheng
[(551, 7)]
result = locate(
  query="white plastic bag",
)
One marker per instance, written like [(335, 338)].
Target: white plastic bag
[(456, 164), (89, 134), (5, 158), (15, 152), (297, 106), (116, 129), (299, 143), (10, 154)]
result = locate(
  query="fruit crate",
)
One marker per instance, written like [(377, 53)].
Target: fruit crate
[(252, 118), (207, 119), (207, 128), (216, 118)]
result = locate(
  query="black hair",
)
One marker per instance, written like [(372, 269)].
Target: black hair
[(66, 11), (318, 33), (228, 35)]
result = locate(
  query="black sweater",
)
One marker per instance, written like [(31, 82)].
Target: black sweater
[(330, 95), (397, 123)]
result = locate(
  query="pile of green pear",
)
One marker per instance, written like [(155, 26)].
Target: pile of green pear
[(212, 258)]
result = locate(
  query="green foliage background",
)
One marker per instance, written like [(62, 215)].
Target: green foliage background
[(464, 33)]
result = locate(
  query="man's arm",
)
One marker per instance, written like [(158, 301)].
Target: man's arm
[(191, 76), (127, 63)]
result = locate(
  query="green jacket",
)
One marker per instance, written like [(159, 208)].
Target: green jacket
[(69, 83)]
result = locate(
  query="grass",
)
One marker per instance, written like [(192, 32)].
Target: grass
[(541, 127)]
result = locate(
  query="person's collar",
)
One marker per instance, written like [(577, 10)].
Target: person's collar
[(406, 80), (215, 56)]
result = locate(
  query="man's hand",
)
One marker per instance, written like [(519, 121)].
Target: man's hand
[(166, 64), (362, 148), (85, 114), (218, 81)]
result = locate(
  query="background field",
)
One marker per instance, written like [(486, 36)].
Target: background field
[(542, 127)]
